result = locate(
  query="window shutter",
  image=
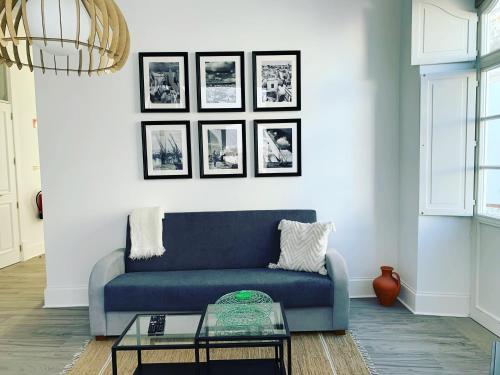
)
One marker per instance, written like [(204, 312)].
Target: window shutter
[(442, 33), (447, 143)]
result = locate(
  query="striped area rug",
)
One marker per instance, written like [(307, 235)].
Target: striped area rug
[(312, 354)]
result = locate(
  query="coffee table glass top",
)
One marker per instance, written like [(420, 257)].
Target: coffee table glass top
[(243, 320), (180, 330)]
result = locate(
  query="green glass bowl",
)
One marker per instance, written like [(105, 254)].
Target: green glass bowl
[(244, 297), (244, 308)]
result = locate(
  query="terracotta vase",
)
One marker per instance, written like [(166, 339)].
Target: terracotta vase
[(387, 286)]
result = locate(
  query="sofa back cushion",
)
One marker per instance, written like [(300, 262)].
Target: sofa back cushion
[(218, 240)]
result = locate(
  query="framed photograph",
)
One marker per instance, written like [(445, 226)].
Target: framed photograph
[(277, 148), (164, 81), (276, 81), (222, 149), (220, 81), (166, 149)]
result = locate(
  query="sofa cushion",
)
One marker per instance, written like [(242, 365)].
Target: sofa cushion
[(193, 290), (303, 246), (214, 240)]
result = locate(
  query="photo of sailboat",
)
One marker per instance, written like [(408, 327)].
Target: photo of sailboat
[(277, 149), (167, 153), (223, 148), (166, 149)]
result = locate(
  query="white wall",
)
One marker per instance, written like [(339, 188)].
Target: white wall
[(435, 252), (22, 84), (90, 135), (409, 155), (466, 5), (444, 258), (485, 302)]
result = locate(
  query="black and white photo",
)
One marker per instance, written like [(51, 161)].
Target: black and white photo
[(222, 148), (166, 149), (276, 80), (220, 81), (164, 82), (277, 148)]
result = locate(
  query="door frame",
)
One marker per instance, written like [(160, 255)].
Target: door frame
[(16, 163)]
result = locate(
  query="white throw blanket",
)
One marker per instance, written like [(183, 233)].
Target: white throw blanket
[(146, 233)]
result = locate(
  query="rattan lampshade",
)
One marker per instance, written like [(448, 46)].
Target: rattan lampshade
[(89, 36)]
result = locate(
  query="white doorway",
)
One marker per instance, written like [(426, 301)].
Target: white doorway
[(21, 229), (10, 250)]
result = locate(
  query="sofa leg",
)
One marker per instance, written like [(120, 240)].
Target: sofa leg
[(339, 332), (100, 338)]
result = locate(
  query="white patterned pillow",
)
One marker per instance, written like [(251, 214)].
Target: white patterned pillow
[(303, 246)]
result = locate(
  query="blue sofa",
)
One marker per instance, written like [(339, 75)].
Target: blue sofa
[(495, 358), (207, 255)]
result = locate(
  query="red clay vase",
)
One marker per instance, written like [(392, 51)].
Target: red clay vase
[(387, 286)]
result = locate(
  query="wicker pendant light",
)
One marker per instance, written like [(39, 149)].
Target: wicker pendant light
[(63, 35)]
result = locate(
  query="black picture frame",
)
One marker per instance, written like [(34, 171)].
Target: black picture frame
[(256, 107), (145, 155), (241, 56), (298, 145), (206, 174), (183, 56)]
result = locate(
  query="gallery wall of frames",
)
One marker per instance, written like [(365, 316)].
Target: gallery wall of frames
[(220, 87)]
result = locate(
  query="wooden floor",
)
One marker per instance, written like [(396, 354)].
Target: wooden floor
[(39, 341), (399, 342), (33, 340)]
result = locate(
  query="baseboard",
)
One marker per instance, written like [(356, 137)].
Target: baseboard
[(438, 304), (407, 296), (56, 297), (361, 288), (486, 319), (32, 249), (457, 305)]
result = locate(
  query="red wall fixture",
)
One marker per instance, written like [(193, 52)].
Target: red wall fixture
[(39, 204)]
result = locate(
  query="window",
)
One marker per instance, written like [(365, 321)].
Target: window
[(489, 158), (491, 29), (488, 186)]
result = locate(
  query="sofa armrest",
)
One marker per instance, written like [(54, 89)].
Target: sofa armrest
[(105, 270), (495, 358), (337, 270)]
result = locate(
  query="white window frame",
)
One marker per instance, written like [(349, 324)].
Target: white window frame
[(483, 28), (486, 62)]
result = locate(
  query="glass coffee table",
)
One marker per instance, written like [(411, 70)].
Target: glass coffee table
[(179, 333), (239, 326), (220, 326)]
